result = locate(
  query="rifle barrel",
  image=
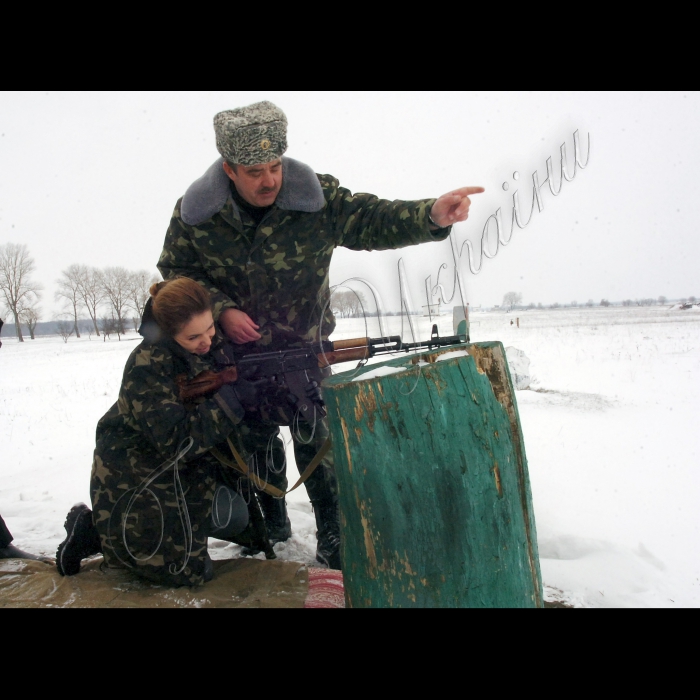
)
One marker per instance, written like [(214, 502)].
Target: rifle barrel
[(434, 343)]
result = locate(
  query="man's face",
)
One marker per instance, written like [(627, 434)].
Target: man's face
[(259, 185)]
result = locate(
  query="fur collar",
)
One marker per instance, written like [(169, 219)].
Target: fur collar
[(301, 191)]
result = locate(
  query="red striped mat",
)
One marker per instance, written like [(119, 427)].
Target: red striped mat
[(325, 589)]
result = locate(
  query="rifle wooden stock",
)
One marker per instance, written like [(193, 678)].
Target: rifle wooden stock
[(205, 382)]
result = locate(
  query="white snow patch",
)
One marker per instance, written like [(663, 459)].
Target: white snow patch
[(379, 372)]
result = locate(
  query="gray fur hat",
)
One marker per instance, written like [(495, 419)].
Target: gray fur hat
[(251, 135)]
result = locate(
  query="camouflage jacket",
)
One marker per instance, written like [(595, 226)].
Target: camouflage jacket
[(278, 271), (137, 441)]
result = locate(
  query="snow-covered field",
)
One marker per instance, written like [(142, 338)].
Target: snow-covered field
[(609, 426)]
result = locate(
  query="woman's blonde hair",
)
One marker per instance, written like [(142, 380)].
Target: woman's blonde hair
[(176, 302)]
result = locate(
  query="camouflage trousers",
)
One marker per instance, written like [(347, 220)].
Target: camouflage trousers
[(156, 518)]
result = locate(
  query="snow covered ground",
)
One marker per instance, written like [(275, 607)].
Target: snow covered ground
[(609, 425)]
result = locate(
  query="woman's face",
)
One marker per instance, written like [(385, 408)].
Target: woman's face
[(197, 333)]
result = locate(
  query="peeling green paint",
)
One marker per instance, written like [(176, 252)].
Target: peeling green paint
[(434, 490)]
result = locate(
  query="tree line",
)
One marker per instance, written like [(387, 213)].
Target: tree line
[(513, 300), (108, 295), (348, 303)]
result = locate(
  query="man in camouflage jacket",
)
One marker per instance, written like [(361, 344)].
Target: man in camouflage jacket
[(258, 231)]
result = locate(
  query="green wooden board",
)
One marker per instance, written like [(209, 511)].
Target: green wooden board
[(435, 500)]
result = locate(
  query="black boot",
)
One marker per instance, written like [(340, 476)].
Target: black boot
[(279, 527), (82, 540), (328, 534)]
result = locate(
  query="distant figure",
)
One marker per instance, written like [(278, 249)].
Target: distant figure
[(1, 324), (511, 321), (8, 550)]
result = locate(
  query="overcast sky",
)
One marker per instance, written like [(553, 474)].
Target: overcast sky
[(92, 178)]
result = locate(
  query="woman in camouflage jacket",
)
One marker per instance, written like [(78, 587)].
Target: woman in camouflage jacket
[(157, 492)]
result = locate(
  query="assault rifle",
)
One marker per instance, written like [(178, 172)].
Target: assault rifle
[(296, 372)]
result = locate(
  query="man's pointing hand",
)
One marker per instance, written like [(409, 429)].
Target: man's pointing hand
[(453, 206)]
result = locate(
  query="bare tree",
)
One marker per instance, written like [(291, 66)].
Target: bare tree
[(604, 302), (139, 290), (358, 305), (119, 327), (116, 284), (65, 329), (590, 302), (91, 291), (30, 315), (87, 327), (108, 326), (16, 285), (511, 299), (662, 300), (337, 303), (69, 290)]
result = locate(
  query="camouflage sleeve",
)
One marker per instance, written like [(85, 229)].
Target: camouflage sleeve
[(179, 259), (365, 222), (150, 397)]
